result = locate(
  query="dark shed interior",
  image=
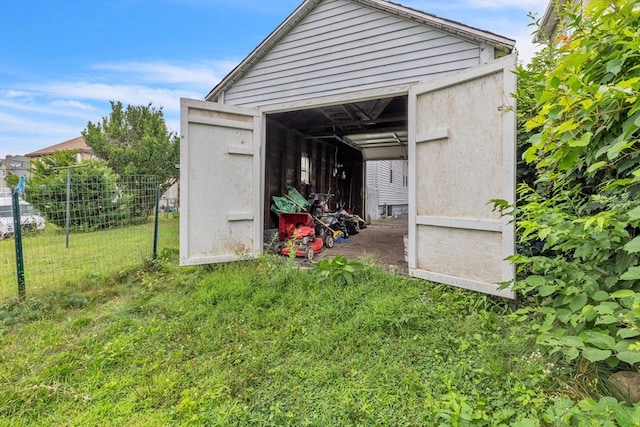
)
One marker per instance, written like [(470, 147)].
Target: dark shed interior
[(333, 168), (324, 149)]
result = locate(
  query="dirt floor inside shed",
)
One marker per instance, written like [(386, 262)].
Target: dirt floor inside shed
[(381, 241)]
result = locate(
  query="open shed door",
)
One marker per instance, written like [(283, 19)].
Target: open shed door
[(220, 185), (462, 155)]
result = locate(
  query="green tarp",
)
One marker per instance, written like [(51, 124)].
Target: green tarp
[(293, 201)]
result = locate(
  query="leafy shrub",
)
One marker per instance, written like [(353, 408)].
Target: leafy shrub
[(593, 413), (580, 219)]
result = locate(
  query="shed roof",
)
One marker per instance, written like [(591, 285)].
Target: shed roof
[(464, 31)]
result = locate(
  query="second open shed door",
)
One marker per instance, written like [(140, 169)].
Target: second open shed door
[(461, 156), (220, 201)]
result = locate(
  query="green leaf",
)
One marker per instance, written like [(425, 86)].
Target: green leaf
[(634, 213), (623, 345), (623, 293), (545, 291), (630, 357), (348, 278), (629, 82), (615, 149), (589, 313), (607, 308), (599, 339), (615, 65), (595, 355), (582, 142), (571, 352), (633, 246), (526, 422), (572, 341), (628, 333), (633, 273), (607, 319), (578, 302), (534, 123), (535, 281), (567, 125), (624, 415), (600, 296), (598, 165)]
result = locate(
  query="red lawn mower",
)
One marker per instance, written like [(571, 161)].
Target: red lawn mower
[(297, 232)]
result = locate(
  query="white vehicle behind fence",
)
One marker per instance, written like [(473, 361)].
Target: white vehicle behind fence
[(30, 218)]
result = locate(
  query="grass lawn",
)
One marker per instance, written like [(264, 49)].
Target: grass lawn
[(263, 343), (50, 265)]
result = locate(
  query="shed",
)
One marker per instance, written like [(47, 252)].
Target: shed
[(343, 82)]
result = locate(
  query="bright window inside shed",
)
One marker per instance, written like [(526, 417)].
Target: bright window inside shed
[(305, 169)]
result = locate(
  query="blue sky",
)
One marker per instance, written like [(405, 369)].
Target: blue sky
[(62, 61)]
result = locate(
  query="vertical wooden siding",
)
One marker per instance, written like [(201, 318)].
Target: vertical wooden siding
[(343, 46), (283, 150)]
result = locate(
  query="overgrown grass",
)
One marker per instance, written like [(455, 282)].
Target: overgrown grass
[(49, 265), (263, 343)]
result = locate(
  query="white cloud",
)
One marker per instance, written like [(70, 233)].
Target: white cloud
[(47, 113), (13, 94), (35, 125), (71, 104), (80, 97), (23, 134), (196, 74), (29, 107)]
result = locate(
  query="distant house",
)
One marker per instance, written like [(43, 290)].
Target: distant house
[(551, 24), (18, 165), (83, 150), (387, 188)]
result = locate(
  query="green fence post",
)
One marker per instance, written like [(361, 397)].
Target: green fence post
[(17, 234), (155, 225)]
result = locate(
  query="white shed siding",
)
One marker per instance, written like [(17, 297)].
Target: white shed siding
[(343, 46)]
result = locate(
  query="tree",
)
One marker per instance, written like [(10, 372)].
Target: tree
[(135, 141), (584, 205), (95, 200), (12, 180)]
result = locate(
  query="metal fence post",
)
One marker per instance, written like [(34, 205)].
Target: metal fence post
[(155, 225), (68, 217), (17, 233)]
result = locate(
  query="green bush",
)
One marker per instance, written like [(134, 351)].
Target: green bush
[(580, 220)]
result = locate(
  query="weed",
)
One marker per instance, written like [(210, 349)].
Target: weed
[(337, 270)]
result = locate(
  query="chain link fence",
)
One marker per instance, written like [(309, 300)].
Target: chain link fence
[(83, 230)]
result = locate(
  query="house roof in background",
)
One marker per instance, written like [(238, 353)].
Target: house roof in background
[(549, 22), (72, 144)]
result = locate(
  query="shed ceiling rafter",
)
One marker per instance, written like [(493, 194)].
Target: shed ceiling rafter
[(367, 126)]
